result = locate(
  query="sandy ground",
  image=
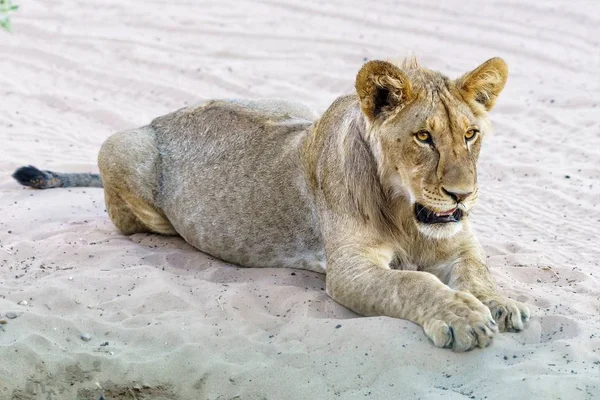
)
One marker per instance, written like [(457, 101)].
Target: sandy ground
[(169, 322)]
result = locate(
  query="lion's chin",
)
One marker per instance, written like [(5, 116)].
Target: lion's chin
[(438, 225), (440, 231)]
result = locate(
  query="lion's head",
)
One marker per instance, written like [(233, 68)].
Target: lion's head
[(426, 131)]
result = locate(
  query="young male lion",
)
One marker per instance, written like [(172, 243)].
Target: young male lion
[(384, 179)]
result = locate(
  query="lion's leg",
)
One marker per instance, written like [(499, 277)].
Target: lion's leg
[(134, 215), (359, 278), (470, 274), (128, 170), (121, 215)]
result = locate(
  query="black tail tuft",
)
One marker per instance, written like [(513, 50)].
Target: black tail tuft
[(38, 179), (35, 178)]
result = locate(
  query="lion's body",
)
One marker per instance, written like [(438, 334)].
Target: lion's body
[(384, 180), (229, 180)]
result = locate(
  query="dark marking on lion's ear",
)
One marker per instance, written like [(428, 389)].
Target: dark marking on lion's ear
[(381, 100), (381, 87), (484, 83)]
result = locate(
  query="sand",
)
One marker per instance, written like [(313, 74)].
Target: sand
[(168, 322)]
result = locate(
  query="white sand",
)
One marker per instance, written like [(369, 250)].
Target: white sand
[(190, 327)]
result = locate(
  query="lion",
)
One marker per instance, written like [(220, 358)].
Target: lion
[(381, 183)]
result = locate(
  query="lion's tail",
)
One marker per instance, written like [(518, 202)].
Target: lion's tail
[(37, 179)]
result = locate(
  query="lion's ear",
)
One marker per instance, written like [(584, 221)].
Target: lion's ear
[(381, 87), (484, 83)]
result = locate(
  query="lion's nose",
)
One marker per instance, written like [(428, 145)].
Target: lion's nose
[(456, 195)]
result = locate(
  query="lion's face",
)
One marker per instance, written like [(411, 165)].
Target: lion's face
[(433, 146), (427, 136)]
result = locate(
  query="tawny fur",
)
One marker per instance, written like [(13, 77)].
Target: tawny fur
[(267, 184)]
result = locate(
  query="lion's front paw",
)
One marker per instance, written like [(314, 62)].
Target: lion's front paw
[(461, 322), (509, 314)]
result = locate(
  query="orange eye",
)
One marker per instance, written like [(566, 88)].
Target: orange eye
[(471, 134), (423, 136)]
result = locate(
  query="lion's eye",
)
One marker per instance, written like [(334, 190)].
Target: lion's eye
[(423, 136), (471, 134)]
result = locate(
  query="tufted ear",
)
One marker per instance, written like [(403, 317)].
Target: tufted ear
[(381, 87), (484, 83)]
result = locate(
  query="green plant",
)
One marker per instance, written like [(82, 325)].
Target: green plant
[(6, 8)]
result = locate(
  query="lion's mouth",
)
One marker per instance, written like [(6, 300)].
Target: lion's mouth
[(427, 216)]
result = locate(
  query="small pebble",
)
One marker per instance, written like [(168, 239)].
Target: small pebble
[(70, 278), (23, 303), (3, 322), (11, 315), (338, 326), (86, 337), (104, 344)]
